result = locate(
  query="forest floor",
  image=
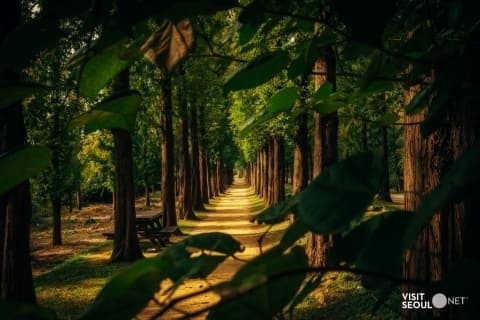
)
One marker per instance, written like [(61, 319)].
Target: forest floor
[(68, 277)]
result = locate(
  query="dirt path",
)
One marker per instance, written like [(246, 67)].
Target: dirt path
[(230, 213)]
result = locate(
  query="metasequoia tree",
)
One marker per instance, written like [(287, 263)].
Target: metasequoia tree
[(166, 48), (16, 283), (324, 153), (126, 246)]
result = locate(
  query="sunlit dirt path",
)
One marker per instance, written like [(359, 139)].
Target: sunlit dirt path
[(229, 213)]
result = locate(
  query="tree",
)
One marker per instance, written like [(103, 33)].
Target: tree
[(168, 180), (16, 283), (126, 246), (185, 198), (301, 146), (324, 151)]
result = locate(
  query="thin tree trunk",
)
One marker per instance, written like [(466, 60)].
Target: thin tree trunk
[(384, 193), (168, 178), (196, 168), (57, 221), (279, 170), (186, 184), (55, 196), (301, 145), (147, 195), (203, 157)]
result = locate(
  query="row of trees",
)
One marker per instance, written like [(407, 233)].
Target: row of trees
[(359, 61)]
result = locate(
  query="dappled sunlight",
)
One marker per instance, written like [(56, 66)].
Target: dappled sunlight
[(229, 213)]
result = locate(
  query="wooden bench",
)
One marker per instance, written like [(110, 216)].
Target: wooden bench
[(159, 238)]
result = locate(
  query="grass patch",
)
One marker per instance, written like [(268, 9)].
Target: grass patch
[(344, 297), (70, 287)]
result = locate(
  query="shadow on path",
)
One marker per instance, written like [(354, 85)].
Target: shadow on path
[(230, 213)]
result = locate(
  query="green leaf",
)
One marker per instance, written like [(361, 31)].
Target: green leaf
[(13, 92), (251, 20), (14, 311), (195, 267), (324, 101), (462, 176), (328, 106), (314, 48), (116, 112), (420, 101), (127, 293), (322, 93), (372, 71), (102, 68), (257, 71), (322, 205), (278, 212), (21, 165), (22, 44), (214, 241), (262, 287), (283, 100), (375, 245), (293, 233)]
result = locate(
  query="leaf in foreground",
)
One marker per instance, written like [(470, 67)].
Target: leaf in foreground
[(19, 166), (340, 194), (263, 287), (257, 71)]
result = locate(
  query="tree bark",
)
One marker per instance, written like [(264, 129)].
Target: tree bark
[(186, 205), (55, 195), (384, 193), (16, 281), (279, 170), (452, 232), (324, 152), (168, 178), (57, 221), (203, 165), (196, 168), (301, 145), (126, 246)]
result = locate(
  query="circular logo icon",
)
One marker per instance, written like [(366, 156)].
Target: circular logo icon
[(439, 300)]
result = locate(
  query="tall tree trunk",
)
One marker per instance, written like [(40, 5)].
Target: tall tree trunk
[(55, 195), (168, 177), (278, 169), (196, 168), (203, 157), (16, 282), (57, 221), (452, 232), (384, 193), (301, 145), (266, 176), (126, 246), (271, 172), (186, 205), (324, 152)]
